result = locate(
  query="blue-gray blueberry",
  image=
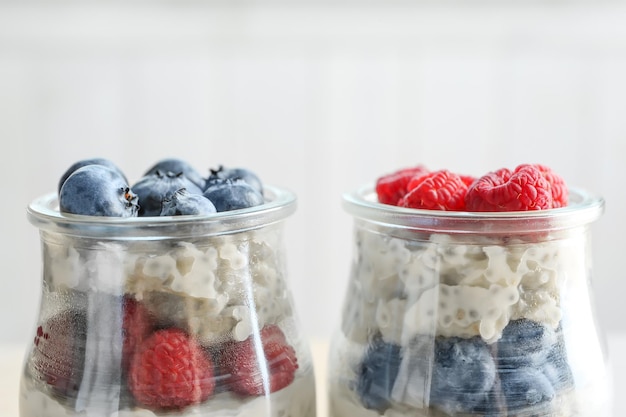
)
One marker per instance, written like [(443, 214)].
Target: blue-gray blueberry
[(91, 161), (96, 190), (178, 166), (182, 203), (377, 374), (229, 195), (463, 374), (243, 174), (153, 189)]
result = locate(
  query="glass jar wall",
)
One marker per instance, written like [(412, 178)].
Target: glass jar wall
[(469, 314), (176, 316)]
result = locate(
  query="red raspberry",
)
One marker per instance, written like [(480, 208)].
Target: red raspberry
[(137, 325), (392, 187), (170, 371), (557, 186), (439, 190), (414, 182), (58, 353), (468, 179), (523, 189), (245, 370)]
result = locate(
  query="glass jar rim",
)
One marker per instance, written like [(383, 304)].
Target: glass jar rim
[(583, 208), (43, 213)]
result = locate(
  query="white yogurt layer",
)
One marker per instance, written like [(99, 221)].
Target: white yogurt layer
[(295, 400), (403, 288), (212, 288), (345, 404)]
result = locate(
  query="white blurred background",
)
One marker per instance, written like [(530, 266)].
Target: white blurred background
[(318, 97)]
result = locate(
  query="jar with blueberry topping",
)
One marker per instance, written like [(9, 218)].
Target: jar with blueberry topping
[(456, 313), (166, 316)]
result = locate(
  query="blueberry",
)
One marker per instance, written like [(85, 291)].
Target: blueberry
[(377, 374), (463, 374), (525, 387), (178, 166), (531, 364), (183, 203), (524, 343), (152, 189), (556, 368), (229, 195), (96, 190), (527, 343), (92, 161), (413, 380), (243, 174), (493, 404)]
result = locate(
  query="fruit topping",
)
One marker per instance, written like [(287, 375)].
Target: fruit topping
[(558, 187), (177, 166), (153, 189), (438, 190), (96, 190), (259, 365), (523, 189), (377, 373), (170, 371), (231, 194), (527, 187), (243, 174), (392, 187), (171, 187), (182, 202), (91, 161)]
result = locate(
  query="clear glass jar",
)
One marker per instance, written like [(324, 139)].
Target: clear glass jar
[(469, 314), (166, 316)]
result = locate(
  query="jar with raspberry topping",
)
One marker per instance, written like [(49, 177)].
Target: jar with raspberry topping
[(455, 313), (166, 316)]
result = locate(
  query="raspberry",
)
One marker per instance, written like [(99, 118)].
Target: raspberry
[(414, 182), (392, 187), (439, 190), (170, 371), (244, 368), (524, 189), (58, 353), (468, 179), (557, 186), (136, 327)]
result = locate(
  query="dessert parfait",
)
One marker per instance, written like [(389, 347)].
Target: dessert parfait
[(470, 297), (165, 298)]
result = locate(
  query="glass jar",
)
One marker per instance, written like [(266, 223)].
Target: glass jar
[(469, 314), (166, 316)]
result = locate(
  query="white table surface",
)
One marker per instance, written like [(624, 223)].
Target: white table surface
[(11, 358)]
